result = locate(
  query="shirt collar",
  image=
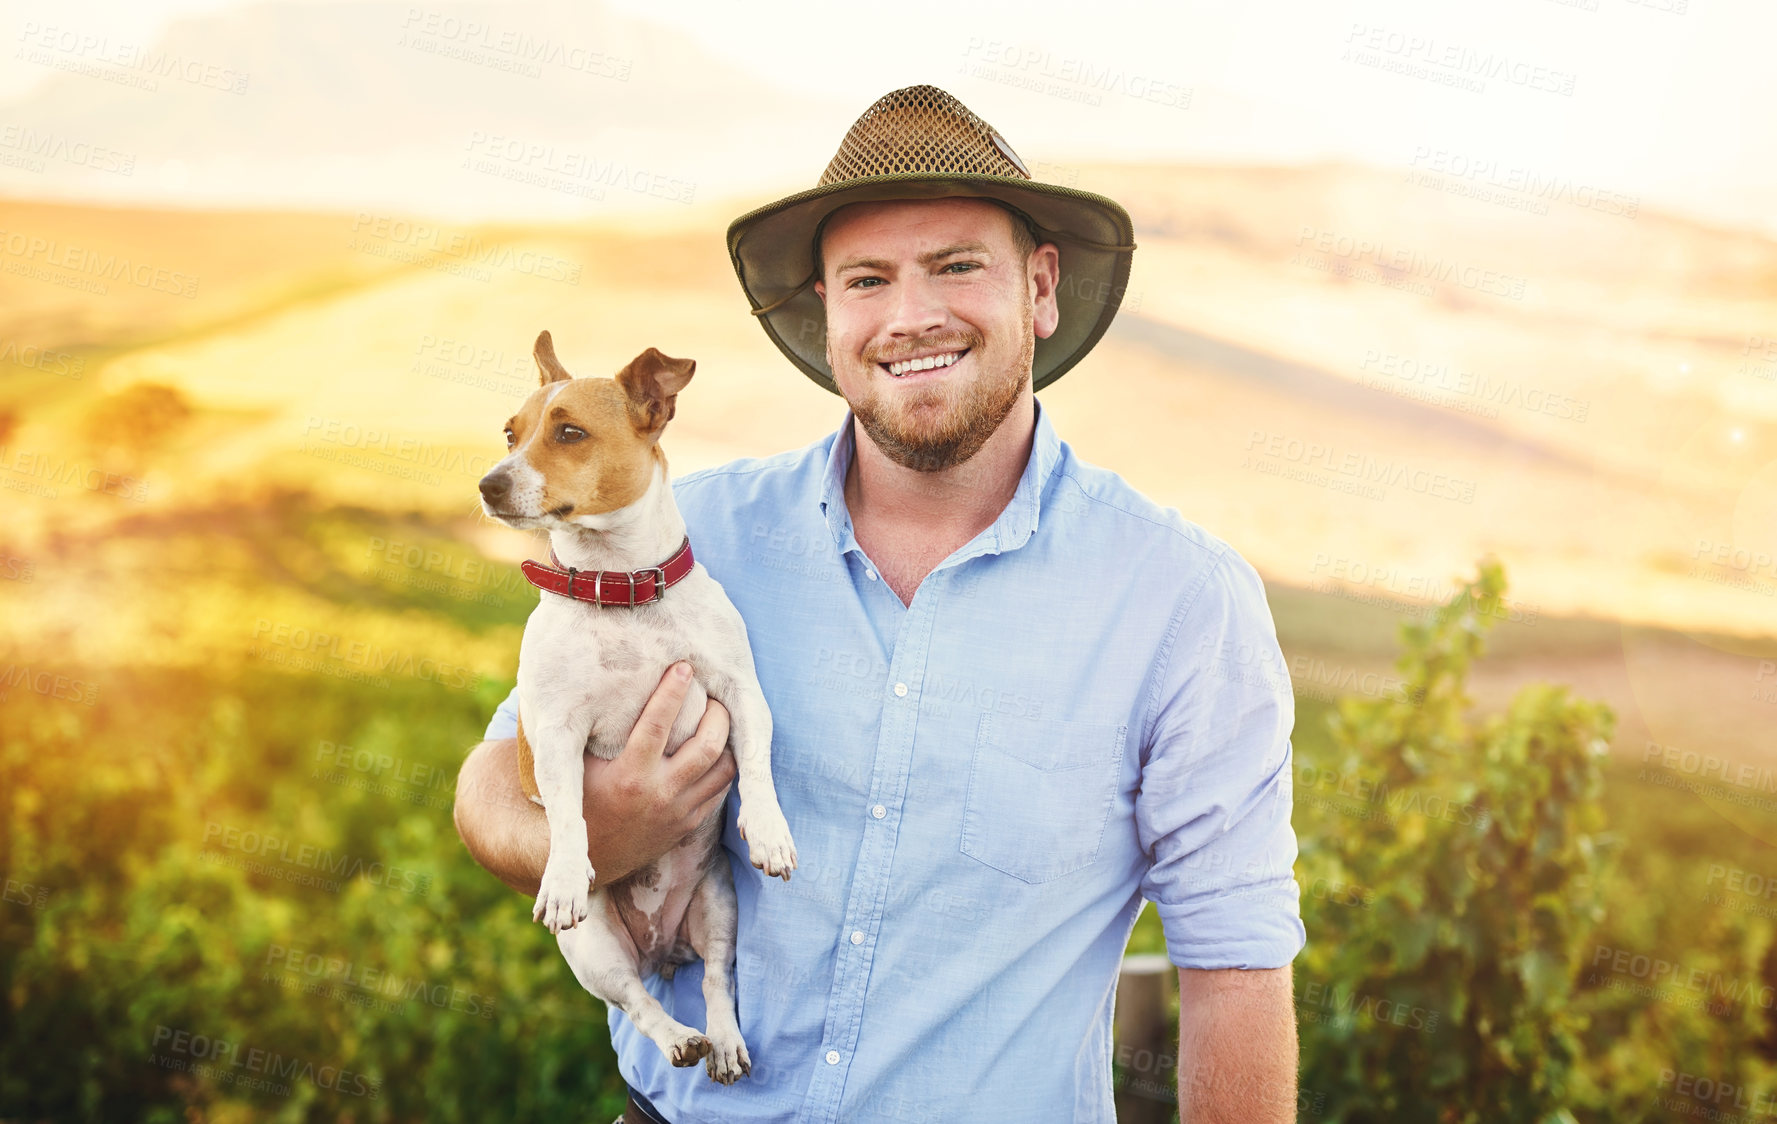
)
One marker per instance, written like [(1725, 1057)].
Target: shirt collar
[(1015, 525)]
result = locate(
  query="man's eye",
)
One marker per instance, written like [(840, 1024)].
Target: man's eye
[(862, 280), (568, 434), (966, 266)]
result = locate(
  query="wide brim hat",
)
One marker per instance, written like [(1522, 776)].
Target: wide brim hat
[(922, 143)]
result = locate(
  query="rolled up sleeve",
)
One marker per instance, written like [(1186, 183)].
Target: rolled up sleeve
[(1213, 810), (505, 721)]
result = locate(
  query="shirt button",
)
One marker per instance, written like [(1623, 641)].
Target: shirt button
[(871, 574), (900, 688), (857, 937), (832, 1057), (879, 811)]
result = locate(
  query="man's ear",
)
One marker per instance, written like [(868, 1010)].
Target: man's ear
[(1045, 279), (651, 383), (549, 368)]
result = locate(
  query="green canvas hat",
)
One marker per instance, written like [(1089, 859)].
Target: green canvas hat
[(922, 143)]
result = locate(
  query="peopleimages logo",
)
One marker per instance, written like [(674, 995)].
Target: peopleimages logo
[(543, 164), (244, 1066), (340, 866), (1425, 56), (366, 985), (1529, 184), (45, 474), (1657, 977), (49, 684), (1360, 468), (505, 48), (34, 251), (1709, 766), (1486, 392), (129, 64), (1711, 1099), (42, 359), (417, 242), (1325, 1003), (1391, 802), (35, 148), (397, 446), (1406, 262), (1069, 77), (358, 654)]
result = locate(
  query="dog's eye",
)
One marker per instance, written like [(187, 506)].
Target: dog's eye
[(568, 434), (511, 439)]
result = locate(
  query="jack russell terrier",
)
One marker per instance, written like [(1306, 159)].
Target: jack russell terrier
[(624, 600)]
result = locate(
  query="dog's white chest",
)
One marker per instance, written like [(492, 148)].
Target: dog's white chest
[(609, 660)]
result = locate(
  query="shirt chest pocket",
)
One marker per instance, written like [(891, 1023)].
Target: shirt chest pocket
[(1040, 794)]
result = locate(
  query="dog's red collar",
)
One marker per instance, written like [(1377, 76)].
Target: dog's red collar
[(628, 588)]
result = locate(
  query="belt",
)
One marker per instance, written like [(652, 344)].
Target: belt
[(641, 1111)]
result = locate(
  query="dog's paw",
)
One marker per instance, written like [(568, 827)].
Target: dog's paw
[(727, 1061), (687, 1050), (768, 839), (562, 900)]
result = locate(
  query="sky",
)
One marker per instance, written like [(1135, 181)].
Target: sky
[(1671, 101)]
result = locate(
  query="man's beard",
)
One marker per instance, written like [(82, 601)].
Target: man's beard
[(968, 424)]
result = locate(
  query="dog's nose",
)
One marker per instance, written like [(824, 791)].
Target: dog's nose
[(495, 486)]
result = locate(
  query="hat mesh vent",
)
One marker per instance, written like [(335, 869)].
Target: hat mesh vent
[(919, 129)]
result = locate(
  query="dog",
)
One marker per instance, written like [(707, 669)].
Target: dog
[(624, 600)]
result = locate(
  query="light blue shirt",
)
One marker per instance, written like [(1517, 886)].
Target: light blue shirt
[(1084, 706)]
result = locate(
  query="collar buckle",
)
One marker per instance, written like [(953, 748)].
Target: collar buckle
[(659, 573)]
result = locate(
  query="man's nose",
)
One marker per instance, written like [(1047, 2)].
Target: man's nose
[(917, 309)]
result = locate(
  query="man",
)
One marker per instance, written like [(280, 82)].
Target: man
[(1011, 696)]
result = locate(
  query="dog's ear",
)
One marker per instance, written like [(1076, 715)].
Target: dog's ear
[(549, 368), (650, 384)]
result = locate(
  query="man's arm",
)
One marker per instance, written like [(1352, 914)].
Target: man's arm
[(1214, 811), (1236, 1046), (638, 805)]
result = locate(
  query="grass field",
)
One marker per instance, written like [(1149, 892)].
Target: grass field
[(242, 534)]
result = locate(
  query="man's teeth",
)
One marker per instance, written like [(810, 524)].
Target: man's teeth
[(925, 364)]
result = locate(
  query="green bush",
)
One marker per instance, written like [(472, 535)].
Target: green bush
[(1453, 877), (406, 984)]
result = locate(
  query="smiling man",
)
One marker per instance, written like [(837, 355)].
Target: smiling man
[(1012, 697)]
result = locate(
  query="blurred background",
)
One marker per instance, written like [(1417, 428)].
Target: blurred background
[(1458, 321)]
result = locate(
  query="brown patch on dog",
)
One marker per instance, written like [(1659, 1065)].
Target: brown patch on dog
[(596, 441), (647, 876), (527, 765)]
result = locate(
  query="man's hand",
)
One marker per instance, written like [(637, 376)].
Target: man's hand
[(638, 806), (642, 803), (1236, 1046)]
